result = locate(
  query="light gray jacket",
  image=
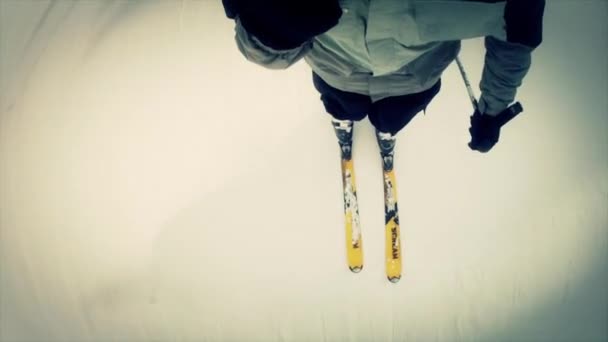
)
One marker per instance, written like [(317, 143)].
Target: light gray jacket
[(385, 48)]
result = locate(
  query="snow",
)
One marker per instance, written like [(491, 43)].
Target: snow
[(154, 185)]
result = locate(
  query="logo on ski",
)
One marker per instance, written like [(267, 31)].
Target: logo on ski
[(395, 246)]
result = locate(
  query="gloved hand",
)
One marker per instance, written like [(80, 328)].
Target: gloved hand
[(282, 24), (485, 128)]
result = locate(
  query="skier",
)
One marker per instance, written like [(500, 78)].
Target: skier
[(384, 59), (378, 58)]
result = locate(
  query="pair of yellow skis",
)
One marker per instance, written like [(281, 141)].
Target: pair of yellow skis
[(354, 241)]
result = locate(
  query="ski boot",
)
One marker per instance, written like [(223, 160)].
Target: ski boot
[(386, 142), (344, 132)]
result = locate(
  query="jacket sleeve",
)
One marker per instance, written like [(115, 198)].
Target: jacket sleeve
[(506, 65), (507, 61), (265, 56)]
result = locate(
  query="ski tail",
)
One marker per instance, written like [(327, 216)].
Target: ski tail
[(392, 231), (354, 241)]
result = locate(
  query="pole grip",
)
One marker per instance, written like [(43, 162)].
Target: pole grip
[(509, 113)]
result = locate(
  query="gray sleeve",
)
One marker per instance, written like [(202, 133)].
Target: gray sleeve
[(265, 56), (506, 65)]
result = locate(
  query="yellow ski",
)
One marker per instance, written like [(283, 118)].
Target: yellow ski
[(386, 142), (393, 236), (354, 242)]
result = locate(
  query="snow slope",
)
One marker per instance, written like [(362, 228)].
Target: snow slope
[(154, 185)]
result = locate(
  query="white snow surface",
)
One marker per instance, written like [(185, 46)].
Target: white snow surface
[(156, 186)]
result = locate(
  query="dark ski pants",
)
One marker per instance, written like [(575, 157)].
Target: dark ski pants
[(388, 115)]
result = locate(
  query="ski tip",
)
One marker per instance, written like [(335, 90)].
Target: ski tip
[(394, 279), (356, 269)]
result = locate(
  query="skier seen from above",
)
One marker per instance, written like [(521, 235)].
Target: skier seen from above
[(384, 58)]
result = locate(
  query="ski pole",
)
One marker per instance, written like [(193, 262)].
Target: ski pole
[(466, 83)]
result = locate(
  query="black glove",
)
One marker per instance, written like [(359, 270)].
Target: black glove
[(282, 24), (485, 129)]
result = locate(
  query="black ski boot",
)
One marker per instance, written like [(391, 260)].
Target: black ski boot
[(386, 142), (344, 132)]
